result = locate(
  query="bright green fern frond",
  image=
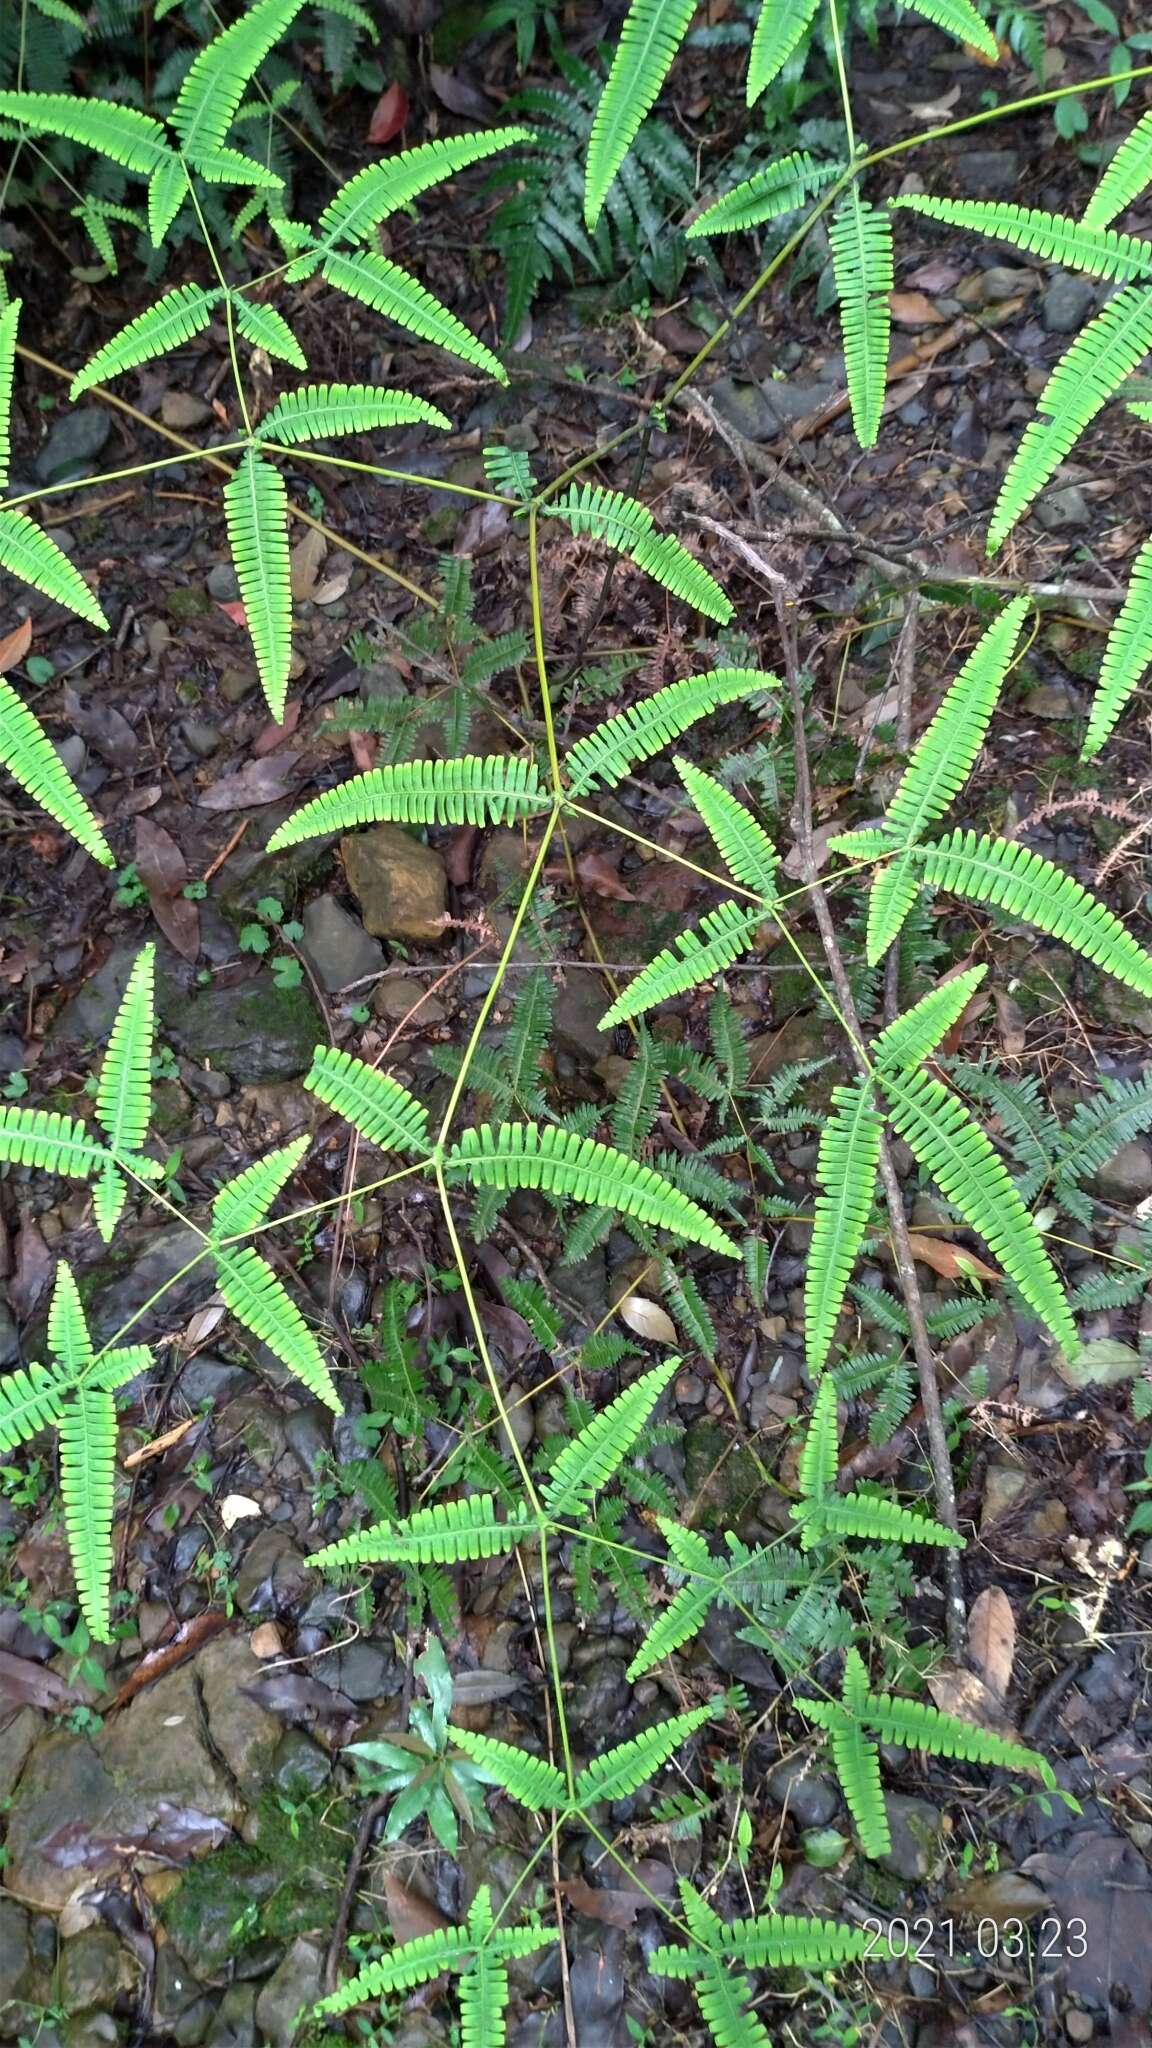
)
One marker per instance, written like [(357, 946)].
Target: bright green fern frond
[(265, 328), (909, 1039), (167, 190), (369, 197), (694, 956), (961, 1159), (124, 1097), (794, 1941), (561, 1163), (1125, 178), (846, 1171), (493, 789), (943, 758), (874, 1519), (67, 1325), (369, 277), (256, 510), (959, 18), (413, 1962), (1007, 873), (31, 759), (895, 888), (449, 1532), (532, 1780), (625, 524), (48, 1139), (1053, 236), (32, 556), (780, 26), (215, 85), (129, 138), (381, 1108), (259, 1301), (9, 320), (232, 167), (917, 1725), (652, 33), (245, 1201), (607, 755), (588, 1462), (168, 324), (620, 1771), (781, 187), (686, 1611), (726, 1999), (857, 1762), (87, 1430), (860, 238), (509, 471), (820, 1457), (484, 1995), (1127, 653), (322, 411), (109, 1195), (30, 1400), (112, 1369), (745, 848), (1103, 354)]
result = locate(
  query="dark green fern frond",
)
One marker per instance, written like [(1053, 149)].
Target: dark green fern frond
[(860, 238), (623, 523), (321, 411), (619, 1772), (1127, 653), (695, 956), (256, 510), (381, 1108), (607, 755), (31, 759), (493, 789), (1053, 236)]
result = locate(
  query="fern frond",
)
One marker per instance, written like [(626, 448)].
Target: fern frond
[(874, 1519), (942, 759), (620, 1771), (381, 1108), (232, 167), (1008, 874), (794, 1941), (561, 1163), (914, 1724), (1053, 236), (484, 1994), (30, 1400), (959, 18), (819, 1459), (961, 1159), (449, 1532), (909, 1039), (124, 1097), (366, 275), (321, 411), (215, 84), (694, 956), (48, 1139), (112, 1369), (857, 1762), (607, 755), (256, 511), (259, 1301), (860, 238), (1127, 653), (67, 1325), (1124, 179), (623, 523), (744, 846), (652, 32), (509, 470), (413, 1962), (87, 1431), (588, 1462), (1103, 354), (781, 187), (9, 319), (109, 1195), (537, 1784), (263, 327), (32, 761), (129, 138), (244, 1202), (32, 556), (382, 189), (686, 1611), (725, 2000), (167, 190), (168, 324), (846, 1171), (493, 789), (780, 26)]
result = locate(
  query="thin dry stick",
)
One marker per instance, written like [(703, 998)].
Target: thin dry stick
[(955, 1617), (904, 675)]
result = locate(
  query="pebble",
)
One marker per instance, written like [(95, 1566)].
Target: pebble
[(1067, 303), (336, 945), (1062, 510), (74, 443)]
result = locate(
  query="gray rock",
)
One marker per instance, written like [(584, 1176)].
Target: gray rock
[(90, 1970), (1057, 699), (235, 2022), (1127, 1176), (162, 1254), (212, 1379), (299, 1765), (915, 1829), (576, 1019), (202, 738), (15, 1954), (87, 1018), (17, 1734), (337, 946), (221, 583), (1067, 303), (761, 411), (272, 1574), (811, 1797), (596, 1701), (9, 1336), (290, 1992), (308, 1434), (73, 444), (987, 173), (242, 1732), (366, 1671), (256, 1032), (1063, 509), (91, 2030)]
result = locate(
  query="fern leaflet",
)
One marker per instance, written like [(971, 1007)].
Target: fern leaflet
[(31, 1398), (781, 187), (33, 762), (909, 1039), (34, 557), (1125, 178), (846, 1171), (48, 1139), (779, 28), (620, 1771), (652, 33), (1053, 236), (745, 848), (959, 18), (623, 523), (537, 1784), (371, 278), (258, 1300), (722, 935), (1127, 653), (9, 319), (475, 790), (169, 323), (382, 1109), (263, 327), (587, 1463), (607, 755), (819, 1460), (244, 1202), (256, 510), (860, 238), (449, 1532), (321, 411), (873, 1518), (124, 1097), (67, 1329), (87, 1431), (129, 138), (214, 86), (382, 189)]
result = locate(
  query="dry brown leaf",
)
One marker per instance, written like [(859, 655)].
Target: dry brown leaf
[(266, 1641), (992, 1638), (409, 1915), (613, 1908), (159, 1444), (961, 1692), (14, 646), (307, 562), (647, 1319), (1010, 1019), (914, 309), (952, 1261)]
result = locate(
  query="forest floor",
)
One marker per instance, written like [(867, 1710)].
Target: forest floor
[(178, 1814)]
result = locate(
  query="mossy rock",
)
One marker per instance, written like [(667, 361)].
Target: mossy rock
[(723, 1479), (253, 1032)]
